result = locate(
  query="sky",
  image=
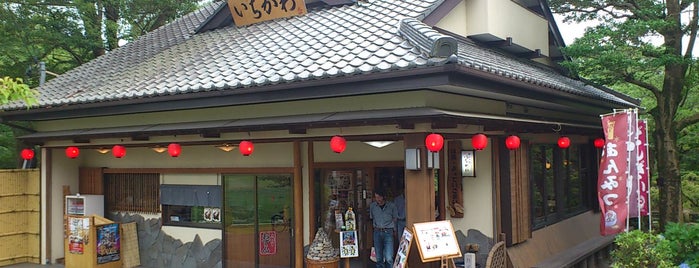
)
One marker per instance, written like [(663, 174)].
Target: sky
[(570, 31)]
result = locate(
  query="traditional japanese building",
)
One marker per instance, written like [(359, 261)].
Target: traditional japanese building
[(247, 96)]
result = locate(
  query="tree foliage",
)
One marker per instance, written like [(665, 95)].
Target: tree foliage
[(645, 48), (65, 34)]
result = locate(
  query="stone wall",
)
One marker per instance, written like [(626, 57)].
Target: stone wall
[(157, 249)]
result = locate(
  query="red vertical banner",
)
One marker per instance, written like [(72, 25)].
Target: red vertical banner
[(268, 243), (643, 168), (612, 178)]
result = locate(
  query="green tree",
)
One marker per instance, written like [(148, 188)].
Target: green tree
[(622, 50), (68, 33), (65, 34)]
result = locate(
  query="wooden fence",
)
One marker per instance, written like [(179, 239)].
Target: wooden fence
[(20, 201)]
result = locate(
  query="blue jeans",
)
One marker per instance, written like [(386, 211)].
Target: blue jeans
[(383, 245)]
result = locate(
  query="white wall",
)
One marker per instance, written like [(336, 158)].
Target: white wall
[(478, 195), (65, 172)]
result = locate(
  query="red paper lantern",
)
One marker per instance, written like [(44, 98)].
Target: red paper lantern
[(434, 142), (512, 142), (174, 149), (338, 144), (599, 142), (72, 152), (118, 151), (479, 141), (563, 142), (246, 148), (27, 154)]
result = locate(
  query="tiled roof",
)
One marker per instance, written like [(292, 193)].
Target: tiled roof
[(329, 42)]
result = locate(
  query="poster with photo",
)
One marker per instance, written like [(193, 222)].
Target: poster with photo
[(207, 214), (79, 229), (403, 249), (436, 240), (349, 246), (108, 243)]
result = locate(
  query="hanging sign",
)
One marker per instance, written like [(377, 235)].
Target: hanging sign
[(268, 243), (612, 178), (246, 12)]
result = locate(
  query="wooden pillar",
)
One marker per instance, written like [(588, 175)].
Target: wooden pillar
[(419, 195), (298, 206)]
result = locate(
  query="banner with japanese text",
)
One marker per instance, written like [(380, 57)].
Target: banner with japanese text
[(612, 179), (643, 168), (632, 185)]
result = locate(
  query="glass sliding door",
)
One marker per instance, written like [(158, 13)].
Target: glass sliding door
[(258, 217)]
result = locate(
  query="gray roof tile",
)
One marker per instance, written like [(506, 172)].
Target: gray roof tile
[(330, 42)]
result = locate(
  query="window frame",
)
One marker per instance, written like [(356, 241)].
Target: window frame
[(562, 171)]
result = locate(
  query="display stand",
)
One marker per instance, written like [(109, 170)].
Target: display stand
[(436, 241), (92, 241)]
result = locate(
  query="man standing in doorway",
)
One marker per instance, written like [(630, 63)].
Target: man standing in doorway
[(383, 215)]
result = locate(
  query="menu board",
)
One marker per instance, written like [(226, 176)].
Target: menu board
[(436, 240)]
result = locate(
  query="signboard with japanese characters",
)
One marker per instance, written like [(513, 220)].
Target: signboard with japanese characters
[(247, 12)]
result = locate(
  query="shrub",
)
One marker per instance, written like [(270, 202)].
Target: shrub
[(640, 249), (684, 241)]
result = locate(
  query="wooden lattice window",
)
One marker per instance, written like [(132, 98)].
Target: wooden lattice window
[(132, 192)]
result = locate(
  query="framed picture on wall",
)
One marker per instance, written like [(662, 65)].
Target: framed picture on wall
[(468, 163)]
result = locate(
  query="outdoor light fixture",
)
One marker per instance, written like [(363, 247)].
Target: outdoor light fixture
[(102, 150), (27, 154), (338, 144), (158, 149), (479, 141), (118, 151), (512, 142), (563, 142), (72, 152), (174, 149), (599, 143), (434, 142), (379, 144), (246, 148), (412, 159), (226, 147)]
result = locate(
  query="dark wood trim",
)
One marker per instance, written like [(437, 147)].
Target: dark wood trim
[(440, 12), (289, 170), (298, 206), (311, 193), (46, 169), (358, 164), (504, 189)]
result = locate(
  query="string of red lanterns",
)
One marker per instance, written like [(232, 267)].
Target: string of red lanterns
[(433, 142)]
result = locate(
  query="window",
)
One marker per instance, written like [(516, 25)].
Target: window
[(558, 184), (132, 192), (191, 205)]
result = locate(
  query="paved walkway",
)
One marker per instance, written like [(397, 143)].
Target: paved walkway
[(34, 265)]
